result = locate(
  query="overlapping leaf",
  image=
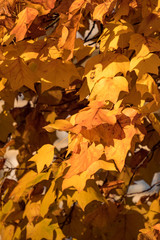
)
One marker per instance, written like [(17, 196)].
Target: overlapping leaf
[(25, 19), (43, 157)]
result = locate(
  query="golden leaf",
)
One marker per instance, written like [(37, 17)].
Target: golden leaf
[(148, 63), (105, 65), (44, 157), (80, 162), (102, 9), (109, 89)]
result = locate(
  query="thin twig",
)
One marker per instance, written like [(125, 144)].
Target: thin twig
[(69, 216), (150, 153), (146, 190), (90, 31)]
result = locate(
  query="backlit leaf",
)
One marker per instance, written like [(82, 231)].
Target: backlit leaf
[(109, 89), (102, 9), (27, 181), (48, 199), (43, 157), (80, 162), (43, 229)]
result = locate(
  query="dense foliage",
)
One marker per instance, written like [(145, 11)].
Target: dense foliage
[(102, 90)]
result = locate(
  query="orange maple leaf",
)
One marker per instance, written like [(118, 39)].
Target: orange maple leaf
[(25, 19), (81, 161), (95, 115)]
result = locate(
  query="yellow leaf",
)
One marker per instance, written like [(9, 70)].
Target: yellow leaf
[(81, 51), (43, 229), (60, 124), (91, 193), (105, 65), (144, 45), (102, 9), (109, 89), (141, 65), (55, 53), (115, 35), (121, 145), (44, 157), (80, 162), (79, 181), (2, 83), (28, 180), (48, 199), (7, 232), (32, 210), (147, 84)]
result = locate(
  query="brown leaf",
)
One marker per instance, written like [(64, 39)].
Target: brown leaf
[(47, 4), (107, 187), (18, 74)]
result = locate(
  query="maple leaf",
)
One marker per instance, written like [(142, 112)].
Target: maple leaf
[(48, 199), (109, 89), (43, 229), (148, 63), (105, 65), (29, 179), (91, 193), (43, 157), (144, 45), (118, 150), (59, 124), (47, 4), (81, 51), (102, 9), (25, 19), (147, 84), (7, 232), (79, 181), (75, 6), (150, 24), (115, 35), (122, 10), (32, 210), (80, 162), (18, 74), (94, 115), (56, 73)]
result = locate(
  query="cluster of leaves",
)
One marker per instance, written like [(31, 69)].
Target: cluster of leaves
[(108, 85)]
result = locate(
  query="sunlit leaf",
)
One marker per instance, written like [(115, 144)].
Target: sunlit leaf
[(43, 157), (25, 19)]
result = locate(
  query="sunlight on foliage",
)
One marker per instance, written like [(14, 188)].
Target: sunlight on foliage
[(80, 105)]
